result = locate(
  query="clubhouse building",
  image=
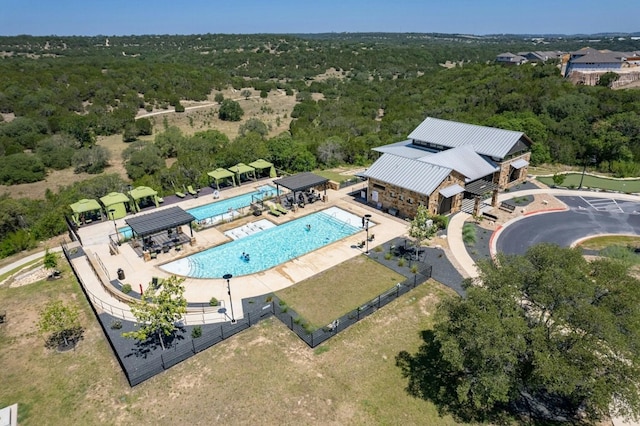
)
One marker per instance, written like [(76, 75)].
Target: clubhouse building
[(447, 166)]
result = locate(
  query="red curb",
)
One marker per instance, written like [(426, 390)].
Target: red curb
[(492, 237), (555, 209)]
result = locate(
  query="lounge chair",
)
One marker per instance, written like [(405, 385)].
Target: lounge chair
[(281, 209), (180, 194), (274, 211), (192, 191)]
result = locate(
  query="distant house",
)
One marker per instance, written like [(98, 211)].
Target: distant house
[(509, 58), (585, 66), (447, 166), (541, 56)]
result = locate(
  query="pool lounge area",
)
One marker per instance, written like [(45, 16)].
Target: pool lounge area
[(270, 246)]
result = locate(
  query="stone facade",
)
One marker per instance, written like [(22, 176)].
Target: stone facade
[(502, 178), (403, 202)]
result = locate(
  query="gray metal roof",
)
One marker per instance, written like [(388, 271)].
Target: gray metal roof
[(405, 149), (407, 173), (485, 140), (520, 163), (301, 181), (452, 190), (463, 160), (151, 223)]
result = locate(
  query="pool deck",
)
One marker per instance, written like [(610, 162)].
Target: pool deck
[(138, 272)]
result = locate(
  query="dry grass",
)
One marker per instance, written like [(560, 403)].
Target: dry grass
[(264, 375), (336, 291), (599, 243)]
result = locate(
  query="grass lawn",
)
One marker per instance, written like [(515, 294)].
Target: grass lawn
[(336, 291), (264, 375), (333, 175), (599, 243), (573, 180)]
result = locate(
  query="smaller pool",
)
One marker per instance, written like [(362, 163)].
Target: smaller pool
[(269, 247), (217, 211)]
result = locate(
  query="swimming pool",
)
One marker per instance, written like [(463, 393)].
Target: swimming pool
[(226, 209), (270, 247)]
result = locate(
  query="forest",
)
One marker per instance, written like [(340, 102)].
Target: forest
[(59, 94)]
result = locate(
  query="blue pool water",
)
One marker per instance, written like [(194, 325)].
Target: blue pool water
[(218, 209), (270, 247)]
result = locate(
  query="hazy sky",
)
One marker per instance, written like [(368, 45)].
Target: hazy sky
[(125, 17)]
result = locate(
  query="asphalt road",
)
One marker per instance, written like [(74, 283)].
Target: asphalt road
[(586, 217)]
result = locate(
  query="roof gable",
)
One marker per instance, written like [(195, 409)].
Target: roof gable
[(487, 141), (463, 160), (407, 173)]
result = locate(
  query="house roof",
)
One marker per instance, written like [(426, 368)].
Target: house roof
[(485, 140), (599, 58), (407, 173), (463, 160), (405, 149)]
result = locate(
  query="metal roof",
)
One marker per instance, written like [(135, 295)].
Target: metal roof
[(151, 223), (407, 173), (463, 160), (485, 140), (301, 181), (518, 164), (480, 187), (450, 191), (405, 149)]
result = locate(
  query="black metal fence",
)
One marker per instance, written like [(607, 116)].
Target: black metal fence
[(315, 337), (138, 372)]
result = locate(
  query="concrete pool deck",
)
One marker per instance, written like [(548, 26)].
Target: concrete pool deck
[(137, 272)]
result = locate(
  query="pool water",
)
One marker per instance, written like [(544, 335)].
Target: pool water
[(270, 247), (227, 209)]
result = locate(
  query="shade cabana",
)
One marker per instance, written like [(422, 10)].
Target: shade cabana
[(264, 165), (153, 223), (219, 174), (242, 169), (84, 210), (142, 192), (301, 182), (114, 205)]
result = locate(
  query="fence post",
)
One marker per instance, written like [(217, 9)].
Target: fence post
[(378, 301), (222, 332), (290, 322), (193, 346)]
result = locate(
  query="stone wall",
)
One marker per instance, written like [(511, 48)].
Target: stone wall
[(502, 178)]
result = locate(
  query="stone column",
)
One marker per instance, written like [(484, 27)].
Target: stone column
[(494, 198), (476, 206)]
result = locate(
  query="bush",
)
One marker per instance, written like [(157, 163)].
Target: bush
[(196, 332), (230, 111), (469, 234), (214, 302), (126, 288), (116, 325)]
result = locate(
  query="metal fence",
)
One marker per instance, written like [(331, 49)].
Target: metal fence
[(313, 338), (212, 334)]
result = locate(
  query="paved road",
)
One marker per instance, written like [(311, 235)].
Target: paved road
[(586, 216)]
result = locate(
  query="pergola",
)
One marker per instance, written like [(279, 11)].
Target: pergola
[(242, 169), (114, 205), (142, 192), (301, 182), (84, 206), (263, 165), (156, 222), (479, 189)]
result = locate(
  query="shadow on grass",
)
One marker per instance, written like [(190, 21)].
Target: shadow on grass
[(65, 340)]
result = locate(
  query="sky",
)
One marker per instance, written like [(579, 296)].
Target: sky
[(479, 17)]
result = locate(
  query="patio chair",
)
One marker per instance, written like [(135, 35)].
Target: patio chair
[(281, 209), (180, 194), (274, 211), (192, 191)]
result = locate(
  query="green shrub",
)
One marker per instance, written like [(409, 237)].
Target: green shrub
[(388, 256), (401, 262), (214, 302), (126, 288), (196, 332), (116, 325), (469, 234)]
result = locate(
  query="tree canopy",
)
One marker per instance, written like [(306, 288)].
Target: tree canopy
[(158, 311), (547, 335)]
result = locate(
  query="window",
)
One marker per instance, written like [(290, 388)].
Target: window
[(401, 197), (410, 200), (378, 187), (392, 194)]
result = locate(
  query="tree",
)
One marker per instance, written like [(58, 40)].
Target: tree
[(61, 320), (558, 179), (219, 97), (608, 78), (158, 311), (50, 259), (246, 93), (422, 226), (91, 160), (546, 332), (230, 111)]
